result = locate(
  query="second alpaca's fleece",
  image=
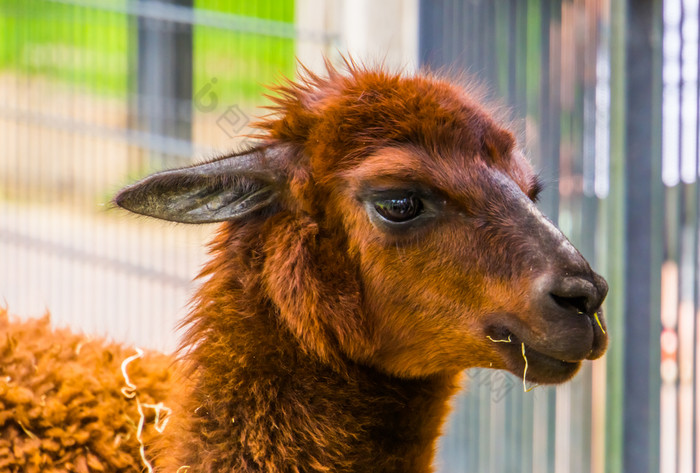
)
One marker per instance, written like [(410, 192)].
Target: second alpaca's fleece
[(62, 405)]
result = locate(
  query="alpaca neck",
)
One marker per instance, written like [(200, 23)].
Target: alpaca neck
[(261, 403), (271, 407)]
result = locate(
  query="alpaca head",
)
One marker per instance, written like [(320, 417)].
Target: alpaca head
[(397, 222)]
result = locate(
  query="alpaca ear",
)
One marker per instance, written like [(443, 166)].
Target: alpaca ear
[(225, 189)]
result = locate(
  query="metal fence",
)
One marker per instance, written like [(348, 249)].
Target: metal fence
[(94, 93)]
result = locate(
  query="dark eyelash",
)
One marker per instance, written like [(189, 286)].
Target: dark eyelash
[(536, 188)]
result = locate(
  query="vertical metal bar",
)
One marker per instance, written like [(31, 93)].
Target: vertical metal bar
[(532, 56), (549, 136), (692, 210), (641, 325), (686, 325), (696, 286), (510, 59), (426, 32), (490, 64), (165, 78), (613, 210), (551, 106)]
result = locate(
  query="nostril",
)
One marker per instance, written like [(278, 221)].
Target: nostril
[(572, 295), (576, 295), (576, 303)]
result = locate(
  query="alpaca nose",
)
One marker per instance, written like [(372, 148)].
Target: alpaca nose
[(572, 295), (565, 316)]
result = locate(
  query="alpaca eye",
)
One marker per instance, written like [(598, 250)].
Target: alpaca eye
[(399, 210)]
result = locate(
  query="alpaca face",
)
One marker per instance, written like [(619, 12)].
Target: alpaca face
[(399, 230), (461, 269)]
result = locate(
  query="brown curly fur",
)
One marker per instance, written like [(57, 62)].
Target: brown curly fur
[(61, 406)]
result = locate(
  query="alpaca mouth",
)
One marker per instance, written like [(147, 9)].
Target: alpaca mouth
[(550, 359), (534, 366)]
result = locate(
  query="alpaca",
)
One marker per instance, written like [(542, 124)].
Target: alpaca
[(378, 240)]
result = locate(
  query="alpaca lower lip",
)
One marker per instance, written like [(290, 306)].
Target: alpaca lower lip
[(542, 368)]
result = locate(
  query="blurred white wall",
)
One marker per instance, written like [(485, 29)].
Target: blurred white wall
[(370, 32)]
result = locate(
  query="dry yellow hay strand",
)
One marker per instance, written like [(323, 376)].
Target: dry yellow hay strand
[(595, 314), (130, 392), (525, 388), (29, 433), (139, 431), (159, 423)]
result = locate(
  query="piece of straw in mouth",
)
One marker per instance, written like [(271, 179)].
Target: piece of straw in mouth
[(525, 388), (508, 340), (595, 314)]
